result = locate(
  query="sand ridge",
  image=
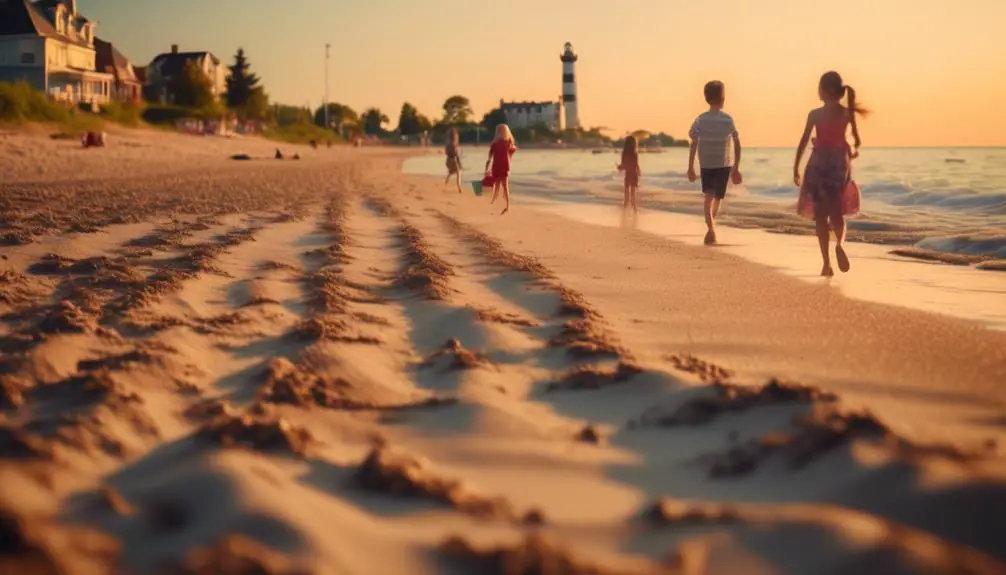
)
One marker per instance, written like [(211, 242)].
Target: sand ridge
[(333, 368)]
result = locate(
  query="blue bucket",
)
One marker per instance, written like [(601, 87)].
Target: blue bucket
[(477, 188)]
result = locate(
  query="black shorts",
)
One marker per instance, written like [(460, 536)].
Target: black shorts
[(715, 180)]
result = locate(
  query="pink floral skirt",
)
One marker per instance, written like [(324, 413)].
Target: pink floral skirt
[(828, 179)]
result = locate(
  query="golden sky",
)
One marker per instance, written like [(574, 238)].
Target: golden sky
[(933, 71)]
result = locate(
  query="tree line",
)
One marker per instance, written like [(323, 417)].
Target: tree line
[(245, 98)]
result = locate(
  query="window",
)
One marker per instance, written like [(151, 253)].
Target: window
[(27, 58)]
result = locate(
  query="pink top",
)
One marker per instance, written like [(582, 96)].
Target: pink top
[(831, 134)]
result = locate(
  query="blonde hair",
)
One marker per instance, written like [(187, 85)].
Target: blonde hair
[(503, 133)]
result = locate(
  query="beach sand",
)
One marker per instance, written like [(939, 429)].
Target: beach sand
[(325, 366)]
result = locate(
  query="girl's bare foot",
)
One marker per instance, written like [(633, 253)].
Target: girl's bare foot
[(843, 259), (826, 271), (505, 210), (710, 238)]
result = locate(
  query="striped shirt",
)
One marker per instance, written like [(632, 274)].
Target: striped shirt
[(712, 130)]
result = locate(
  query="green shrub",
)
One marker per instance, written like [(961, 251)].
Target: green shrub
[(165, 114), (19, 102), (125, 114)]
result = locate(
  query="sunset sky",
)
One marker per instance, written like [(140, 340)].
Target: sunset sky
[(933, 71)]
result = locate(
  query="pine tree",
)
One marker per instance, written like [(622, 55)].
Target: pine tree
[(241, 83)]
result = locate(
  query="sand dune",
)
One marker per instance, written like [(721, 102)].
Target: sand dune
[(327, 367)]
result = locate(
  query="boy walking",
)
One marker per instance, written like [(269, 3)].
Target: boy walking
[(710, 135)]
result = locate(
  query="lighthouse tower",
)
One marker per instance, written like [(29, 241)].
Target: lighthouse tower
[(568, 58)]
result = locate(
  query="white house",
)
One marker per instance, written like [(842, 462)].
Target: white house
[(165, 67), (531, 114), (50, 45)]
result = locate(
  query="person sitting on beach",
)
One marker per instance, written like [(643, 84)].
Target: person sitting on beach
[(630, 165), (452, 151), (500, 153), (710, 135), (828, 174)]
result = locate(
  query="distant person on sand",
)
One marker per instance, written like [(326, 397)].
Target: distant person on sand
[(710, 135), (827, 191), (453, 153), (500, 153), (630, 165)]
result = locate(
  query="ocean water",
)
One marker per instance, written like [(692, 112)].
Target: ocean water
[(945, 200)]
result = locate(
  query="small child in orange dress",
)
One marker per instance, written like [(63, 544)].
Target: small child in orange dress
[(630, 165)]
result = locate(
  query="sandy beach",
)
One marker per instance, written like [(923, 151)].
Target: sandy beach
[(327, 366)]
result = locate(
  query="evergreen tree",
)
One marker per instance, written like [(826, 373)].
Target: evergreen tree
[(241, 83), (407, 120)]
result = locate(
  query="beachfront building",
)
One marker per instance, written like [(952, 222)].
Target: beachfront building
[(126, 86), (50, 45), (568, 58), (559, 115), (166, 67), (531, 114)]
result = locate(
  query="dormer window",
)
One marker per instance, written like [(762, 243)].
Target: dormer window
[(60, 19)]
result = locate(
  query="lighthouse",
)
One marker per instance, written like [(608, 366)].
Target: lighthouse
[(568, 58)]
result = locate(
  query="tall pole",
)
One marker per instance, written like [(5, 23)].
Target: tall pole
[(325, 103)]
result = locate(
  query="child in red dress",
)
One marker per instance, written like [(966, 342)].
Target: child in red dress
[(500, 153), (630, 165), (827, 192)]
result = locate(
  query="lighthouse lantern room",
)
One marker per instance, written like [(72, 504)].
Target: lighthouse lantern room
[(569, 102)]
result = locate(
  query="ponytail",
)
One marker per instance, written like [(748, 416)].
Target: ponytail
[(854, 109)]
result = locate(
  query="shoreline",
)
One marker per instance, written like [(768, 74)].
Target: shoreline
[(912, 222), (936, 286), (916, 284)]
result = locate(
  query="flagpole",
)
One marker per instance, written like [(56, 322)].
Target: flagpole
[(325, 103)]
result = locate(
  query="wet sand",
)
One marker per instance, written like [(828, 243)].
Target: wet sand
[(326, 366)]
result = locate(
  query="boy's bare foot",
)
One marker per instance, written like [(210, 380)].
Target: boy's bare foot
[(843, 259), (505, 210), (710, 238), (826, 271)]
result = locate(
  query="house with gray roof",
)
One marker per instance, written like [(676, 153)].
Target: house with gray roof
[(127, 86), (168, 66), (51, 46)]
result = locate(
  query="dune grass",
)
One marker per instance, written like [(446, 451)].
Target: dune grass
[(20, 103)]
